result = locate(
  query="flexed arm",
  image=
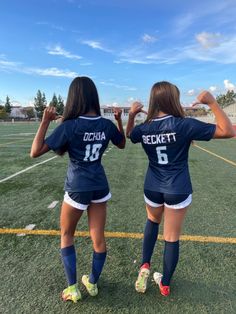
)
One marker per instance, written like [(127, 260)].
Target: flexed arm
[(39, 147), (136, 107), (117, 114), (224, 128)]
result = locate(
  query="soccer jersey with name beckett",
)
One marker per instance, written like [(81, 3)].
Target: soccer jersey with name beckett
[(166, 141), (85, 139)]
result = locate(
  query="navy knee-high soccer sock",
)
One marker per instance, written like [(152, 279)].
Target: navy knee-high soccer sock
[(170, 260), (97, 266), (149, 240), (69, 260)]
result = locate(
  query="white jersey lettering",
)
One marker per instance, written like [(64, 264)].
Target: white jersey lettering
[(159, 138), (97, 136)]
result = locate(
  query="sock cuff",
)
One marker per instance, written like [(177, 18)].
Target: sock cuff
[(98, 256), (152, 222), (171, 243), (69, 250)]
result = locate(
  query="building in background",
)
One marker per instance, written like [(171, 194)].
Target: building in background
[(231, 111), (107, 112), (17, 112)]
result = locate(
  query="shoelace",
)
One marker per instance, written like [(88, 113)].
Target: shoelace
[(92, 287)]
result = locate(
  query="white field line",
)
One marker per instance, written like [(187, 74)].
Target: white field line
[(28, 227), (26, 169), (18, 134), (53, 204)]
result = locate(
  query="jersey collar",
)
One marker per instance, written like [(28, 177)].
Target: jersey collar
[(162, 118), (90, 118)]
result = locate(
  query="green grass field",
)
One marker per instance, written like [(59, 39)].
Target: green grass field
[(32, 276)]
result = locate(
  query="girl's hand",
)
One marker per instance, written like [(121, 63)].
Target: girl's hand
[(117, 113), (49, 114), (205, 98), (136, 107)]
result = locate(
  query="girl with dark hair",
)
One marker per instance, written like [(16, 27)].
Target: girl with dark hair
[(85, 135), (166, 136)]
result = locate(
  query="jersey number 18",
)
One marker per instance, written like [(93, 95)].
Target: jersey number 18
[(92, 152)]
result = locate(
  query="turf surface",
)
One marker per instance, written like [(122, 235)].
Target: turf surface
[(31, 272)]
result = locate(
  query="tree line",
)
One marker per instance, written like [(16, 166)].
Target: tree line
[(224, 100), (40, 103)]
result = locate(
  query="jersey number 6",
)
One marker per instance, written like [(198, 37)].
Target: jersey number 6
[(162, 157), (92, 152)]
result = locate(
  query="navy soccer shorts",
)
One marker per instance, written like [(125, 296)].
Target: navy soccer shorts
[(175, 201), (81, 200)]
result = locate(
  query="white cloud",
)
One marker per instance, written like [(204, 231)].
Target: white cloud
[(115, 104), (183, 22), (134, 61), (139, 55), (51, 72), (212, 89), (221, 13), (208, 40), (124, 87), (148, 38), (130, 99), (204, 47), (59, 51), (191, 92), (8, 64), (86, 63), (229, 86), (12, 66), (224, 52), (53, 26), (95, 45)]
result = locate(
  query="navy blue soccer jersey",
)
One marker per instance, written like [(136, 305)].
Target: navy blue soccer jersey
[(85, 139), (166, 141)]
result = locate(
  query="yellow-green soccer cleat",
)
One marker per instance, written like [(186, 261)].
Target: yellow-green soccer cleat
[(90, 287), (71, 293), (141, 282)]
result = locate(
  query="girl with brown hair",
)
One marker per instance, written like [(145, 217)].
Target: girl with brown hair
[(166, 136)]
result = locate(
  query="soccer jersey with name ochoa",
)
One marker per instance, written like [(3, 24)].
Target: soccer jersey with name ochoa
[(85, 139), (166, 141)]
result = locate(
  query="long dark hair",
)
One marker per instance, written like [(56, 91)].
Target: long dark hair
[(164, 97), (82, 97)]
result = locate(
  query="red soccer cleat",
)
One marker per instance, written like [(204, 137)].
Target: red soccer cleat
[(164, 290)]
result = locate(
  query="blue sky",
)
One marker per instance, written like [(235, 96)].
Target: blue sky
[(124, 46)]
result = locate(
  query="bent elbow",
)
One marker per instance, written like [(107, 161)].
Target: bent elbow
[(228, 132), (122, 146), (231, 133), (32, 155)]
